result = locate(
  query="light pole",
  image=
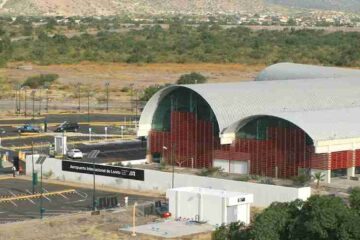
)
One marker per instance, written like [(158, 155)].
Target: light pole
[(33, 168), (25, 104), (93, 155), (107, 96), (47, 101), (33, 104), (172, 163), (16, 101), (40, 161), (173, 166), (88, 107), (79, 96), (134, 216), (19, 98), (40, 100)]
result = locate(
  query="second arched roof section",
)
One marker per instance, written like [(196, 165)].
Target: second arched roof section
[(304, 102)]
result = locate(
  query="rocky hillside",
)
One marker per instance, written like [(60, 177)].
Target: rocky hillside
[(335, 5), (113, 7)]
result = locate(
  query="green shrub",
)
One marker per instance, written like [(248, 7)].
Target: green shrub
[(211, 171), (243, 178), (192, 78), (301, 180), (40, 80)]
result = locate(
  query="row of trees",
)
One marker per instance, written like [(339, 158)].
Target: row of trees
[(191, 78), (187, 44), (320, 218)]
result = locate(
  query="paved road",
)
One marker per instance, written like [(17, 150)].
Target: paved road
[(58, 118), (117, 152), (74, 201), (12, 141)]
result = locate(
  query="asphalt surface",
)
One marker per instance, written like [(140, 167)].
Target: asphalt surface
[(58, 118), (29, 208), (12, 141), (118, 152)]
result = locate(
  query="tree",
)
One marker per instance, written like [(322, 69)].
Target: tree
[(150, 91), (273, 222), (233, 231), (318, 177), (354, 199), (321, 218), (191, 78)]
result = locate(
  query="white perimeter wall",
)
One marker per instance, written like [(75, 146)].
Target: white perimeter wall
[(264, 194)]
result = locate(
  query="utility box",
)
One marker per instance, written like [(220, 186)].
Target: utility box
[(213, 206), (60, 145)]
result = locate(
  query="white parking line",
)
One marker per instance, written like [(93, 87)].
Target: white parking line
[(46, 196), (11, 200), (29, 198)]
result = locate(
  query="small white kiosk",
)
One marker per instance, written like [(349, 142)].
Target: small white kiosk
[(209, 205), (60, 142)]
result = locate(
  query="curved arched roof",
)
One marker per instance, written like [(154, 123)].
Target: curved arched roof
[(293, 71), (324, 108)]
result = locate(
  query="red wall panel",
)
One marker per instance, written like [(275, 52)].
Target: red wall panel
[(284, 149)]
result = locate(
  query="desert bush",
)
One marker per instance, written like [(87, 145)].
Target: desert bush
[(40, 80)]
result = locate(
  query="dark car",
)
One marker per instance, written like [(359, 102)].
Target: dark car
[(67, 127), (27, 128)]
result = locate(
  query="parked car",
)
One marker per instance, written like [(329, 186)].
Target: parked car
[(75, 154), (27, 128), (68, 127)]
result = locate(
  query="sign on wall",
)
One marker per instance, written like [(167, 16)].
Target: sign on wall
[(103, 170)]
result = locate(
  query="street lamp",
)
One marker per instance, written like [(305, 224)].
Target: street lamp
[(47, 101), (19, 99), (25, 98), (33, 168), (107, 96), (40, 100), (33, 104), (79, 96), (173, 166), (93, 155), (88, 107), (40, 161)]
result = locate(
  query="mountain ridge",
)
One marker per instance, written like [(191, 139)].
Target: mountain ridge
[(156, 7)]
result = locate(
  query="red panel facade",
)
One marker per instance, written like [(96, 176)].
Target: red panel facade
[(357, 158), (341, 159), (190, 142)]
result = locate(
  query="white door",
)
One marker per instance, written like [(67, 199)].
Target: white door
[(232, 212), (224, 164), (239, 167)]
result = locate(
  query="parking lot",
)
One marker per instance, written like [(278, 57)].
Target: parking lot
[(117, 143), (18, 203)]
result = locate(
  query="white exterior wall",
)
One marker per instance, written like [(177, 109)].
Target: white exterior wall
[(160, 181), (214, 209)]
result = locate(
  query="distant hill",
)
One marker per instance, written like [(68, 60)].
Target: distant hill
[(335, 5), (114, 7)]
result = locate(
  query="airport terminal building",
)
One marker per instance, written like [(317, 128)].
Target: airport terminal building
[(292, 118)]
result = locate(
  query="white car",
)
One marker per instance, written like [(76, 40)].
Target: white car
[(75, 153)]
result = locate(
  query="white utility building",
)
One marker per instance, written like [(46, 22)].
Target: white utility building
[(209, 205)]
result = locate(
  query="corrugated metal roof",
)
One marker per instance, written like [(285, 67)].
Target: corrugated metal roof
[(318, 106), (292, 71)]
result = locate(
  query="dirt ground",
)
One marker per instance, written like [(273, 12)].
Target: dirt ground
[(79, 227), (120, 75)]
